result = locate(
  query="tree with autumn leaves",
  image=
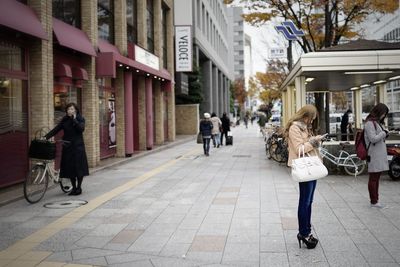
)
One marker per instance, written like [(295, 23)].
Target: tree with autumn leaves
[(325, 22), (265, 85)]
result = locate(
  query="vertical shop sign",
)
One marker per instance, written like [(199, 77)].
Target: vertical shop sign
[(183, 48), (111, 124)]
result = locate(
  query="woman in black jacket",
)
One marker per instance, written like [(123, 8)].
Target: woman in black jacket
[(226, 127), (74, 163), (205, 130)]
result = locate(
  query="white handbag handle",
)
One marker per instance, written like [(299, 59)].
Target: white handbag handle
[(301, 149)]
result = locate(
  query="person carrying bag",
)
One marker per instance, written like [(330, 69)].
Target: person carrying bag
[(300, 138)]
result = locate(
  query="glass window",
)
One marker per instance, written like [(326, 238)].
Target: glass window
[(150, 26), (105, 13), (68, 11), (11, 57), (64, 94), (165, 37), (131, 20)]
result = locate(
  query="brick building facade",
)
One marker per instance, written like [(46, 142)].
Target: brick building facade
[(114, 58)]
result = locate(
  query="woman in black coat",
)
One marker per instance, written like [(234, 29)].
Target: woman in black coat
[(74, 163), (226, 127)]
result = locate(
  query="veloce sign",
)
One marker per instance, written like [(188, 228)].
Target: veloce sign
[(183, 48)]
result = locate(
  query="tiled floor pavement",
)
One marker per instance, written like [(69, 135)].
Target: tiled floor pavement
[(179, 208)]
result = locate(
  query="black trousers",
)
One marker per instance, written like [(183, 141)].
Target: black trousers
[(222, 136)]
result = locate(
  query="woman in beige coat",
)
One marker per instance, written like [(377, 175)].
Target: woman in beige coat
[(300, 133)]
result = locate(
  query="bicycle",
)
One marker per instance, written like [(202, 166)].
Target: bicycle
[(38, 177), (351, 164)]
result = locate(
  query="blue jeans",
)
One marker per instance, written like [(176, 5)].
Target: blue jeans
[(304, 210), (216, 139), (206, 145)]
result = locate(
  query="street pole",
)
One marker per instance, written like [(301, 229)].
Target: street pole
[(290, 56)]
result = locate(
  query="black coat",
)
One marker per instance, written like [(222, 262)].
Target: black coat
[(73, 159), (226, 124)]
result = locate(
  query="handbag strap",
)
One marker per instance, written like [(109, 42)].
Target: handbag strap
[(301, 149)]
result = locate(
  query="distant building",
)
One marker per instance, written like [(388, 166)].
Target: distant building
[(211, 49)]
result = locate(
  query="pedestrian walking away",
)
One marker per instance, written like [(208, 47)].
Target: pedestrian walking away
[(216, 133), (344, 125), (226, 127), (375, 135), (300, 134), (73, 158), (205, 129)]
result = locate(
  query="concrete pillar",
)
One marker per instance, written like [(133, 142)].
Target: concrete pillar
[(207, 86), (90, 90), (158, 115), (128, 102), (149, 113), (41, 71), (220, 94), (121, 39), (381, 93), (142, 112), (215, 76), (357, 98), (300, 92), (284, 107), (291, 110)]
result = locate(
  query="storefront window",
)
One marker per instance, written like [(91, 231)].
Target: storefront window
[(105, 12), (64, 94), (68, 11), (131, 20), (11, 57), (150, 26), (369, 100)]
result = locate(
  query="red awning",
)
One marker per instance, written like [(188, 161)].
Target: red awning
[(72, 37), (109, 55), (79, 74), (22, 18), (62, 70)]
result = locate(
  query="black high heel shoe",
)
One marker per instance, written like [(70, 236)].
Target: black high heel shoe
[(310, 241)]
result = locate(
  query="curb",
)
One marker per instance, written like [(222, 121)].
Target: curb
[(17, 193)]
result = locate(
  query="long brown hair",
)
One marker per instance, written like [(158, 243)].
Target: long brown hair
[(377, 111), (308, 111)]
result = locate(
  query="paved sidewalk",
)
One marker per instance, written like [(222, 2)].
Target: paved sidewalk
[(180, 208)]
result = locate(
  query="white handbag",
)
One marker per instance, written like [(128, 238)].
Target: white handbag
[(307, 168)]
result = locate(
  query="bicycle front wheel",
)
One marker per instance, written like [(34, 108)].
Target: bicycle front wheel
[(354, 166), (35, 184)]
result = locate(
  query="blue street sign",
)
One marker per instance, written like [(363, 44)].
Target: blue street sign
[(292, 34)]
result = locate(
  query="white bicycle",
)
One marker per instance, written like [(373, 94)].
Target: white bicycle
[(42, 171), (351, 164)]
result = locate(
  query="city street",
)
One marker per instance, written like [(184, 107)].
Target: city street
[(177, 207)]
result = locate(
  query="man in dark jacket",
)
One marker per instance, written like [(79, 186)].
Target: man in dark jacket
[(226, 126), (205, 128), (344, 125)]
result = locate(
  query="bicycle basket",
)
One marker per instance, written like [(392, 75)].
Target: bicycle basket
[(42, 149)]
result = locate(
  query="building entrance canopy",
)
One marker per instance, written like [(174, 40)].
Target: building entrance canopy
[(347, 67)]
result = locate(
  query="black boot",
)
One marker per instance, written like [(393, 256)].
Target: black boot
[(73, 183), (79, 187)]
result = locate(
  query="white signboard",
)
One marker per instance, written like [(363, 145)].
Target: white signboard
[(277, 52), (146, 58), (183, 48)]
